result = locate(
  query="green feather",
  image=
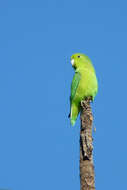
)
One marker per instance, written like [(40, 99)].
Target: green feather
[(74, 85), (84, 83)]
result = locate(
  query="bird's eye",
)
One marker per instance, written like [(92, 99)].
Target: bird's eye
[(78, 56)]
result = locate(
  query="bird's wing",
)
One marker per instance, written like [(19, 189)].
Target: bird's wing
[(74, 85)]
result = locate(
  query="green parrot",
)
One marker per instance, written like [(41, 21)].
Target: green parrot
[(84, 84)]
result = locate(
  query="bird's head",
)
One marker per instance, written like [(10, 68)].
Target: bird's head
[(78, 60)]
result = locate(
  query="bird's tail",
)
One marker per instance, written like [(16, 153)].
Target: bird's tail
[(74, 114)]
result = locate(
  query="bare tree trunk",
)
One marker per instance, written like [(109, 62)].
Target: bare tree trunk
[(87, 178)]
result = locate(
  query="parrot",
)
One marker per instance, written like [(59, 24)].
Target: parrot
[(84, 84)]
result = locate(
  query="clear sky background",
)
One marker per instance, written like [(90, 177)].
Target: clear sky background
[(38, 147)]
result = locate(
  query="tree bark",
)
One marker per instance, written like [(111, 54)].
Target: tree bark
[(87, 176)]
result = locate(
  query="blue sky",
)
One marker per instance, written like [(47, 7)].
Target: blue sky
[(38, 147)]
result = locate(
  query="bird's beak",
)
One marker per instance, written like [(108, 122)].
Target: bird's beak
[(72, 62)]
